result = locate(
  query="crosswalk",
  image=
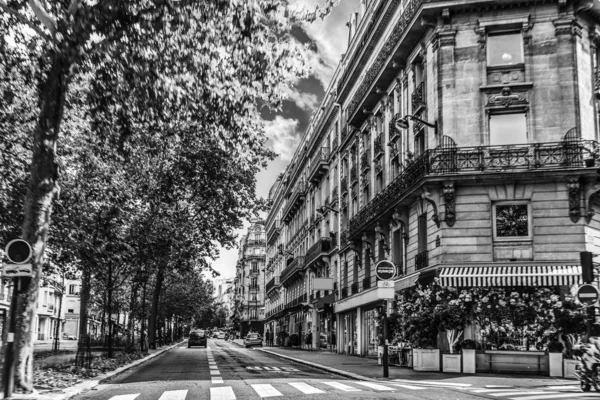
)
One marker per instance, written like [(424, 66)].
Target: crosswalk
[(284, 389)]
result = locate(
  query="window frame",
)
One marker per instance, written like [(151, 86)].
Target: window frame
[(527, 238), (493, 33), (510, 111)]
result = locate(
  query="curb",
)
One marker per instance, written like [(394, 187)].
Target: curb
[(70, 392), (321, 367)]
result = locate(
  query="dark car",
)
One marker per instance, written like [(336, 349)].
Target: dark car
[(197, 338), (253, 339)]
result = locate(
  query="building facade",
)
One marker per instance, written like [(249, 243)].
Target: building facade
[(457, 140)]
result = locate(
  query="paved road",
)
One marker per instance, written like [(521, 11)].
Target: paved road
[(225, 371)]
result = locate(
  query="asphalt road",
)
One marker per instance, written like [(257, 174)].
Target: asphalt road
[(226, 371)]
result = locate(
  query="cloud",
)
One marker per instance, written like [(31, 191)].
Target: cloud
[(283, 136), (305, 101)]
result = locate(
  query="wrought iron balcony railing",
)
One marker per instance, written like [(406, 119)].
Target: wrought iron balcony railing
[(272, 284), (394, 131), (422, 260), (344, 184), (473, 160), (255, 242), (353, 175), (355, 288), (334, 146), (319, 164), (295, 200), (366, 283), (290, 271), (378, 146), (365, 163), (418, 98), (343, 239), (319, 249), (344, 292), (273, 231)]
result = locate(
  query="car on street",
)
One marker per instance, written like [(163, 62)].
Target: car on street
[(253, 339), (323, 340), (197, 338), (220, 335)]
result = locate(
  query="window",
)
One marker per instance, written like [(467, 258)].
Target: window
[(254, 267), (256, 251), (420, 142), (508, 129), (422, 226), (512, 221), (505, 49)]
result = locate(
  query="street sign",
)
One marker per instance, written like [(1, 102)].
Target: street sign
[(18, 251), (10, 270), (587, 294), (323, 284), (385, 270)]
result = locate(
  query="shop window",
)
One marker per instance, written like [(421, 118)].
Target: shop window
[(504, 49), (508, 129), (512, 221)]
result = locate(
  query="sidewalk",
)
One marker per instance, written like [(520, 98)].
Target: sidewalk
[(89, 384), (364, 368)]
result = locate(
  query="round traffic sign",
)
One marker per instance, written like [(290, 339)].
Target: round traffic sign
[(587, 294), (18, 251), (385, 270)]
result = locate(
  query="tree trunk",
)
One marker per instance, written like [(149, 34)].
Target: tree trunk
[(38, 207), (109, 307), (154, 313), (84, 298)]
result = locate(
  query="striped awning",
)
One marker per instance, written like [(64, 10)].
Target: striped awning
[(406, 282), (511, 275)]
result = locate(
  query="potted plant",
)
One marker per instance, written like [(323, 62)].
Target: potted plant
[(555, 354), (468, 347), (451, 314)]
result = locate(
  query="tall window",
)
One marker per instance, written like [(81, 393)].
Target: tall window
[(508, 129), (254, 267), (422, 222), (346, 274), (504, 49), (512, 221), (397, 249), (368, 262)]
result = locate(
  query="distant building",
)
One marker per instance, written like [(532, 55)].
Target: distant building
[(224, 293)]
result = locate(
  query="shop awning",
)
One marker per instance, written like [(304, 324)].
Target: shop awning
[(406, 282), (511, 275)]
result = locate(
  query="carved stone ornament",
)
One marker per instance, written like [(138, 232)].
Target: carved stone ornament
[(381, 236), (591, 195), (574, 199), (481, 39), (567, 26), (507, 98), (426, 195), (449, 203), (446, 15)]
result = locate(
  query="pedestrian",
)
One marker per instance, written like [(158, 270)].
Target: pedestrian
[(267, 336)]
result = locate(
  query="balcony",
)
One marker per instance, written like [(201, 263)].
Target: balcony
[(254, 288), (418, 100), (334, 196), (255, 242), (353, 175), (473, 161), (344, 240), (344, 202), (274, 231), (365, 162), (378, 166), (293, 269), (367, 283), (344, 185), (378, 147), (272, 284), (318, 250), (344, 292), (254, 256), (422, 260), (255, 271), (365, 181), (295, 200), (394, 131), (354, 289), (334, 146), (394, 150), (319, 165)]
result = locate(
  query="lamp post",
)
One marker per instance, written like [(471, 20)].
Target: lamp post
[(402, 123)]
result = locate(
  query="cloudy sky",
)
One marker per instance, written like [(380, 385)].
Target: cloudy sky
[(329, 39)]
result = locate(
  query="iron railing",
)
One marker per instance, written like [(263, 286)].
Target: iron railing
[(320, 248), (394, 131), (272, 284), (365, 163), (353, 175), (366, 282), (344, 184), (354, 288), (296, 198), (422, 260), (344, 292), (418, 97), (334, 146), (378, 146), (295, 266)]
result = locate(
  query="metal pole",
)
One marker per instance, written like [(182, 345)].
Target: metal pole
[(9, 368), (386, 372)]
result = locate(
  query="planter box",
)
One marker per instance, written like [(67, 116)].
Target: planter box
[(569, 368), (426, 359), (451, 363), (556, 364), (468, 361)]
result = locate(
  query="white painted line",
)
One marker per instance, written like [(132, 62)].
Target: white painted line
[(174, 395), (125, 397), (564, 387), (213, 372), (567, 396), (374, 386), (343, 387), (217, 379), (305, 388), (272, 369), (434, 383), (517, 393), (266, 390), (499, 386), (213, 367), (222, 393), (408, 386), (493, 390)]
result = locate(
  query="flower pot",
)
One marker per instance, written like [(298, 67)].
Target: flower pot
[(426, 359), (555, 361), (451, 363), (569, 366), (468, 361)]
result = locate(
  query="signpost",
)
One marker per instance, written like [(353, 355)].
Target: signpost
[(588, 294), (385, 271), (18, 252)]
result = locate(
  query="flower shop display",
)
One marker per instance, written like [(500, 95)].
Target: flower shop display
[(555, 358)]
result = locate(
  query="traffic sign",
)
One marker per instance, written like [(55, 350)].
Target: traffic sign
[(18, 251), (385, 270), (587, 294), (10, 270)]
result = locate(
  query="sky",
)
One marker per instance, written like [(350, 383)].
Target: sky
[(328, 39)]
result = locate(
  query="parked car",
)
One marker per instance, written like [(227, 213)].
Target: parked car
[(197, 338), (323, 340), (67, 336), (220, 335), (253, 339)]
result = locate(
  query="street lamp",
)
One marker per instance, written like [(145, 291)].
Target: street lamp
[(402, 123)]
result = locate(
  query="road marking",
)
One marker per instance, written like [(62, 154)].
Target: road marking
[(408, 386), (564, 387), (174, 395), (343, 387), (222, 393), (266, 390), (492, 390), (272, 369), (506, 394), (499, 386), (553, 396), (213, 367), (305, 388), (217, 379), (125, 397), (213, 372), (374, 386)]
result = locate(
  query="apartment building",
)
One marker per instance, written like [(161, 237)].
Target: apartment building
[(457, 140)]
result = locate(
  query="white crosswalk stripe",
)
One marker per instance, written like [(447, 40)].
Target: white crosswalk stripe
[(222, 393), (375, 386), (125, 397), (566, 396), (507, 394), (305, 388), (449, 384), (174, 395), (216, 379), (266, 390), (342, 386), (411, 387)]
